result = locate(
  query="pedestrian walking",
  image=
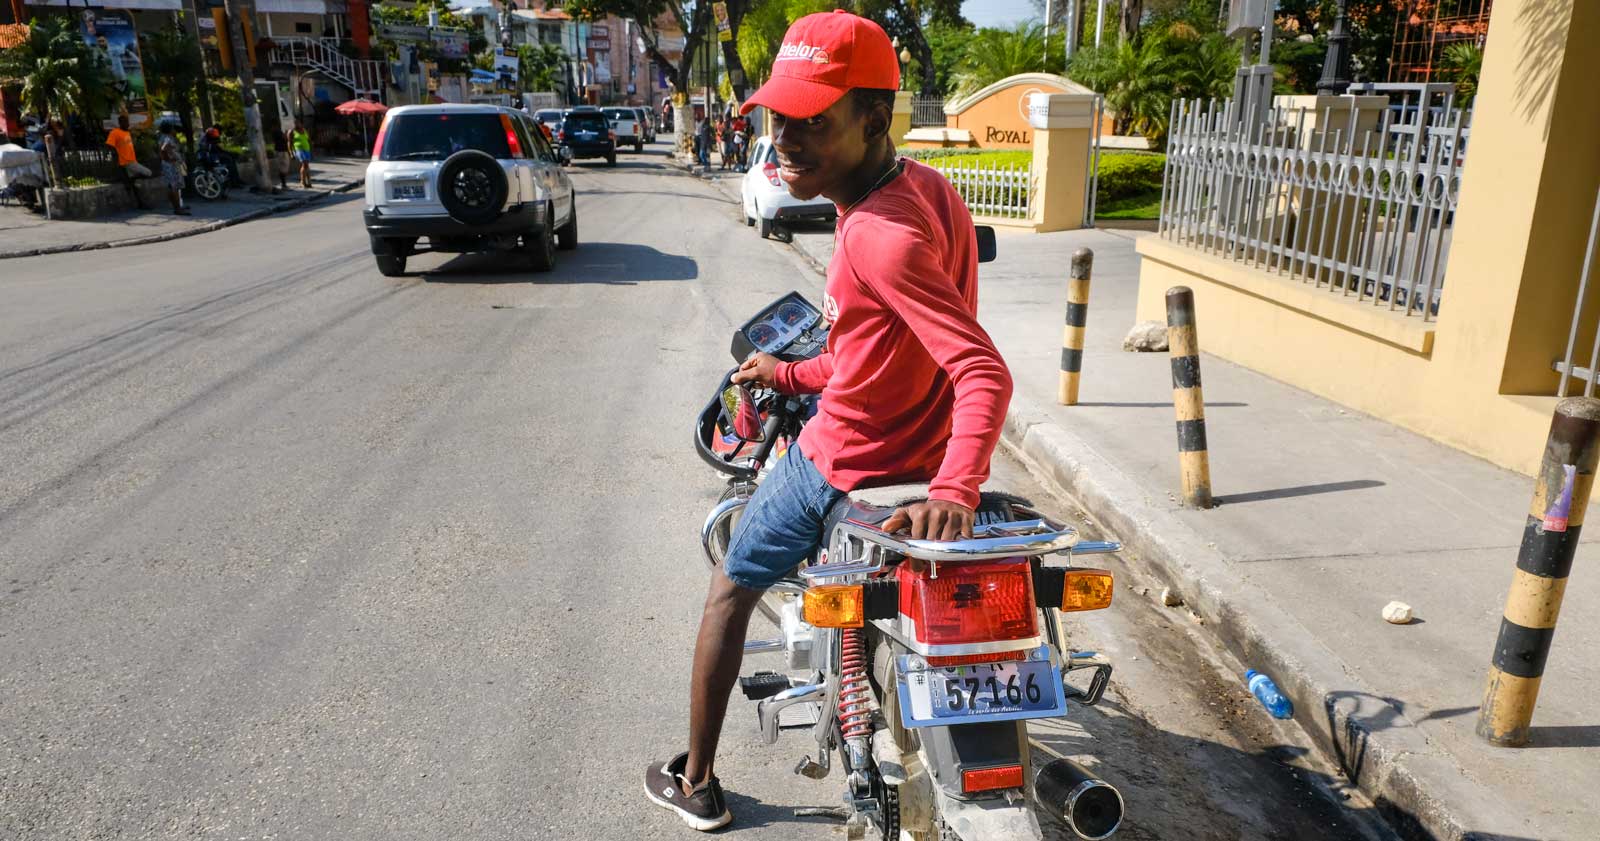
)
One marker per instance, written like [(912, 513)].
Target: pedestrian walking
[(703, 140), (121, 140), (300, 142), (172, 167)]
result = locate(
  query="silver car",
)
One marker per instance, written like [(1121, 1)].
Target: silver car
[(466, 178)]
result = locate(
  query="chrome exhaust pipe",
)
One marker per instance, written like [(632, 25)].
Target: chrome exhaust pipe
[(1090, 807)]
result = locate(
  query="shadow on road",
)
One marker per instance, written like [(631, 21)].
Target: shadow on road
[(611, 263)]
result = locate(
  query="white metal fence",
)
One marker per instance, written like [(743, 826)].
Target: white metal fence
[(1003, 191), (1357, 202)]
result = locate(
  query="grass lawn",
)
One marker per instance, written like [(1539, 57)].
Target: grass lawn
[(1143, 206)]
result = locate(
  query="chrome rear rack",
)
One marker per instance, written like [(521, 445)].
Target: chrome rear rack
[(992, 541)]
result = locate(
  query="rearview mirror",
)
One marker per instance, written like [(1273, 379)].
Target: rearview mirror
[(987, 249), (743, 416)]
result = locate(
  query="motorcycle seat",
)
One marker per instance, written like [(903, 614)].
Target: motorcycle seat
[(874, 505)]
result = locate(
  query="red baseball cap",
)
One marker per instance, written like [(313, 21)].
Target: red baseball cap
[(823, 56)]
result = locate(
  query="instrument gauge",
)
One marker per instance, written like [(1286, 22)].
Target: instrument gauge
[(791, 314), (763, 336)]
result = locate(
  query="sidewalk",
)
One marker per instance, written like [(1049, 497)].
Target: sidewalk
[(24, 234), (1324, 515)]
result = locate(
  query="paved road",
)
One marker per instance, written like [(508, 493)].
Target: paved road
[(294, 551)]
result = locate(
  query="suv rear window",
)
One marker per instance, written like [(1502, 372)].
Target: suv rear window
[(621, 114), (434, 137), (586, 120), (548, 115)]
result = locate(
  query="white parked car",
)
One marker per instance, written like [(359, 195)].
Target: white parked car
[(466, 178), (767, 201)]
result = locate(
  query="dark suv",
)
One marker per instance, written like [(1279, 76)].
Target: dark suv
[(587, 132)]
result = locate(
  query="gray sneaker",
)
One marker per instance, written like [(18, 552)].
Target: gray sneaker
[(704, 810)]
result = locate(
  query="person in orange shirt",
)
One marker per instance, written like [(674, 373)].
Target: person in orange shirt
[(122, 141)]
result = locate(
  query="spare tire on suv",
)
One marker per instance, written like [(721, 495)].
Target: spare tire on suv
[(472, 187)]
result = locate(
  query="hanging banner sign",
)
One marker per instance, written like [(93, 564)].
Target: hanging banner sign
[(719, 10), (110, 33), (451, 44)]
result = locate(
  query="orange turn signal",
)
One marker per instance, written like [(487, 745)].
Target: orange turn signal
[(835, 606), (1086, 589)]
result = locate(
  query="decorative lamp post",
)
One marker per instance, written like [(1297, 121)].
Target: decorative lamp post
[(1336, 64)]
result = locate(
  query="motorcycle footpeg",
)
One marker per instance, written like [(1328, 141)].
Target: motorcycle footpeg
[(763, 685), (1097, 684), (810, 768)]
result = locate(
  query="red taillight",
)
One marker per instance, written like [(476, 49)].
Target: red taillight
[(969, 602), (976, 659), (377, 144), (989, 779), (511, 136), (771, 171)]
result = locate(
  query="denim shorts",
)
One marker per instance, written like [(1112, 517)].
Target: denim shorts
[(782, 524)]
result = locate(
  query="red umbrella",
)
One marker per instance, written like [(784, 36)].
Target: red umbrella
[(361, 106)]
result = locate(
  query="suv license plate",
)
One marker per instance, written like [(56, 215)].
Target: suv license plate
[(987, 692), (407, 191)]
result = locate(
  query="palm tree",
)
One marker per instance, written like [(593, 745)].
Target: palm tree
[(1466, 60), (58, 74), (994, 54)]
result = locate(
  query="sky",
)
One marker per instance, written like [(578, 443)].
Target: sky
[(998, 13)]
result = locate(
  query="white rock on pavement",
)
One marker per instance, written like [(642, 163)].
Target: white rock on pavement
[(1397, 613), (1169, 598), (1146, 336)]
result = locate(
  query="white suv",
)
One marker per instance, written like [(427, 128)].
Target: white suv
[(468, 178)]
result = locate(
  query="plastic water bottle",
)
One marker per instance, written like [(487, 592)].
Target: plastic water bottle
[(1267, 693)]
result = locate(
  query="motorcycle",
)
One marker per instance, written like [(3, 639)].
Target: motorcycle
[(211, 172), (22, 175), (916, 662)]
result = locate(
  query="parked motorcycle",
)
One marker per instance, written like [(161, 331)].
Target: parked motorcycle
[(915, 663), (209, 177)]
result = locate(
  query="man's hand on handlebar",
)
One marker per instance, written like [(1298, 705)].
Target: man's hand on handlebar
[(760, 369), (933, 519)]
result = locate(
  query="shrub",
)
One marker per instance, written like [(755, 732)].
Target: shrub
[(1123, 175)]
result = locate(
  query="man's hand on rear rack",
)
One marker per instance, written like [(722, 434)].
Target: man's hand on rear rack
[(933, 519)]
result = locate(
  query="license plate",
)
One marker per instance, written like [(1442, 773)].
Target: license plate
[(986, 692), (407, 191)]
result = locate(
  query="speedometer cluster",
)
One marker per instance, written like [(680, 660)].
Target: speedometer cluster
[(775, 329)]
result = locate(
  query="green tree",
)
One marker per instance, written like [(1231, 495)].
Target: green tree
[(58, 74), (1464, 60), (761, 32), (173, 70), (993, 54), (1140, 79), (540, 66), (908, 20), (948, 43), (693, 20)]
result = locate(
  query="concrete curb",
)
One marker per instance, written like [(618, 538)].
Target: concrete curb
[(293, 204), (1417, 788)]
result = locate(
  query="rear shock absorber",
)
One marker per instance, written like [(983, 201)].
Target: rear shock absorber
[(855, 692)]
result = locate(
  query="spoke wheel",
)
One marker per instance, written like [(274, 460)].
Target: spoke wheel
[(206, 185)]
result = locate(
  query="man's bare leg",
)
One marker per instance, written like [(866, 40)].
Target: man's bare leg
[(718, 653)]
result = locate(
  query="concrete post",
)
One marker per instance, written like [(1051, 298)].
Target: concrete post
[(900, 125), (1183, 343), (1560, 496), (1077, 319), (1063, 126)]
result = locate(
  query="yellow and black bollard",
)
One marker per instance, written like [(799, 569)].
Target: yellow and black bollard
[(1072, 334), (1560, 495), (1194, 466)]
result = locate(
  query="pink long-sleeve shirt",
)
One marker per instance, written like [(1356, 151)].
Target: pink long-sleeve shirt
[(912, 387)]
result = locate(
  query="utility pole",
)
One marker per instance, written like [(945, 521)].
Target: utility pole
[(1049, 12), (191, 23), (247, 92)]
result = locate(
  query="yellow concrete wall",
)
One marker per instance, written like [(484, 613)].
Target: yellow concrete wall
[(1481, 381)]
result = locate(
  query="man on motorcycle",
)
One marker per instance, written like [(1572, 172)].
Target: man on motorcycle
[(913, 388)]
